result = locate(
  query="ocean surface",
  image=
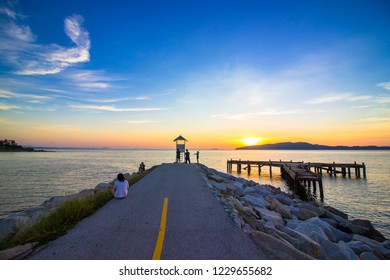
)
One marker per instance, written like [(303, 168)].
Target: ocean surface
[(28, 179)]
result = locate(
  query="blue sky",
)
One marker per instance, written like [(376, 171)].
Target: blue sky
[(138, 73)]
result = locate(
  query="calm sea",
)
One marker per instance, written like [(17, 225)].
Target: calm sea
[(28, 179)]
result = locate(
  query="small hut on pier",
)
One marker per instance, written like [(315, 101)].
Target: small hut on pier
[(181, 146)]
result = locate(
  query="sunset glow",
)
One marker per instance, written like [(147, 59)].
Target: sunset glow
[(250, 141), (139, 73)]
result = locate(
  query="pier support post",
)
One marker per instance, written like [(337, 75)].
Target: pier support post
[(364, 170)]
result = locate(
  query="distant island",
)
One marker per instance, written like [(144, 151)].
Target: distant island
[(11, 146), (308, 146)]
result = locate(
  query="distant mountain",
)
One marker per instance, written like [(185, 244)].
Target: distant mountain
[(308, 146)]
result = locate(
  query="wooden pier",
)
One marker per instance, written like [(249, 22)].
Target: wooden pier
[(299, 175)]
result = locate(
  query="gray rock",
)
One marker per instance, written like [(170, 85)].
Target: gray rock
[(359, 247), (301, 241), (11, 225), (271, 217), (304, 214), (257, 201), (282, 209), (348, 251), (368, 256), (250, 191), (284, 198), (277, 249), (127, 176), (216, 178), (327, 228), (318, 210), (103, 186), (370, 242), (308, 229), (218, 186), (336, 212), (387, 244), (234, 189)]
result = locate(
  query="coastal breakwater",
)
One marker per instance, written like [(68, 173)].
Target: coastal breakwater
[(282, 225), (287, 227)]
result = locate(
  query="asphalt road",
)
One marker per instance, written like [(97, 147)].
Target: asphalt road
[(197, 226)]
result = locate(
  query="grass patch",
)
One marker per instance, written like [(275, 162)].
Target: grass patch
[(63, 218)]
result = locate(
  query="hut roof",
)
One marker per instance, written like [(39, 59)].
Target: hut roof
[(180, 138)]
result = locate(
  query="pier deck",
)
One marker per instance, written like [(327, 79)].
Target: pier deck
[(299, 175)]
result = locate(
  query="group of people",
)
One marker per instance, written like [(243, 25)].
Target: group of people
[(186, 156)]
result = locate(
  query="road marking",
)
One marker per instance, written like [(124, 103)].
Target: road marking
[(161, 233)]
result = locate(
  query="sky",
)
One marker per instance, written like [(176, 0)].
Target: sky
[(224, 74)]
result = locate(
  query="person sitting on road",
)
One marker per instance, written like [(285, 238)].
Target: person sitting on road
[(141, 167), (121, 187)]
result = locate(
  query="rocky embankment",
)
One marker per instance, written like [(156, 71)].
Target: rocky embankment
[(286, 227)]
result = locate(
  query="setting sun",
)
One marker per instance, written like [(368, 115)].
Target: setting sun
[(250, 141)]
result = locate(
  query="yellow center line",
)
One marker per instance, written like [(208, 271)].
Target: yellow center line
[(161, 233)]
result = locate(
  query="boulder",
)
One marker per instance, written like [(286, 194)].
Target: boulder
[(250, 191), (348, 251), (284, 198), (234, 189), (308, 206), (127, 176), (336, 212), (365, 228), (327, 228), (332, 251), (359, 247), (282, 209), (272, 218), (304, 214), (216, 178), (11, 225), (218, 186), (277, 249), (368, 256), (103, 186), (301, 241), (257, 201), (308, 229), (370, 242)]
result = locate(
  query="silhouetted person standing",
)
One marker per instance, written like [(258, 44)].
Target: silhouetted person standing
[(177, 155), (197, 156), (187, 156)]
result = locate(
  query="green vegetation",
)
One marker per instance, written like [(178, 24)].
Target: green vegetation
[(63, 218)]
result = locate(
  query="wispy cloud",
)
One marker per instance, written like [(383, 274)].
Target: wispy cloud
[(114, 109), (18, 46), (7, 107), (386, 85), (338, 97), (33, 98), (92, 80)]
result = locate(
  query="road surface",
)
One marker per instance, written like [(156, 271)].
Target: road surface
[(196, 224)]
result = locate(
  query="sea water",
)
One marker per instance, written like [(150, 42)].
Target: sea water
[(27, 179)]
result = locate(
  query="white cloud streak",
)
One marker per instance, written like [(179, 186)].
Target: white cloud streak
[(24, 96), (114, 109), (385, 86), (7, 107), (19, 49), (338, 97)]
